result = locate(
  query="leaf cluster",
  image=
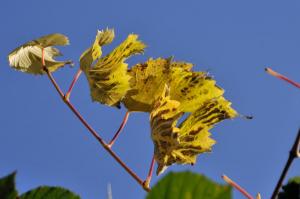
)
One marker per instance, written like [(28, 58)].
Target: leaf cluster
[(164, 88)]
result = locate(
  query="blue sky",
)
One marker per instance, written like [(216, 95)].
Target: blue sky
[(234, 40)]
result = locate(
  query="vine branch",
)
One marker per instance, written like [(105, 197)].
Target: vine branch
[(78, 73), (119, 130), (91, 130)]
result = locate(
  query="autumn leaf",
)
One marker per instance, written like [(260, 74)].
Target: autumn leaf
[(148, 80), (147, 83), (192, 89), (108, 78), (168, 89), (181, 144), (164, 133), (103, 37), (28, 57)]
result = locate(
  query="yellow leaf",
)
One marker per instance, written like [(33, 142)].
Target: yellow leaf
[(185, 66), (103, 37), (28, 57), (108, 78), (192, 89), (110, 88), (130, 46), (148, 81), (194, 137), (182, 144), (164, 133)]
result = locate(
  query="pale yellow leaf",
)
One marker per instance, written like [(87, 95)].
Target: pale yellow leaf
[(28, 57)]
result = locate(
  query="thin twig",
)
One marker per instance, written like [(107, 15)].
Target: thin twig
[(77, 75), (149, 176), (238, 187), (91, 130), (119, 130), (280, 76), (294, 153)]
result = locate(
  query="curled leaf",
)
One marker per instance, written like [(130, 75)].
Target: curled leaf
[(108, 78), (103, 37), (182, 144), (28, 57), (164, 133)]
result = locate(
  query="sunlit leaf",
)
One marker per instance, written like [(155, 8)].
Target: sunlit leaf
[(164, 133), (187, 185), (28, 57), (148, 81), (192, 89), (147, 84), (108, 77), (103, 37), (182, 144), (7, 187), (185, 66)]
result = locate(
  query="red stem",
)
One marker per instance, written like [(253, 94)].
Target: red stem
[(235, 185), (77, 75), (120, 129), (149, 177), (280, 76)]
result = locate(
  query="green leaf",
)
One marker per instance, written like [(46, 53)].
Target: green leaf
[(188, 185), (7, 187), (291, 190), (45, 192)]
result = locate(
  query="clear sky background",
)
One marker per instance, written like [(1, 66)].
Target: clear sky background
[(234, 40)]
